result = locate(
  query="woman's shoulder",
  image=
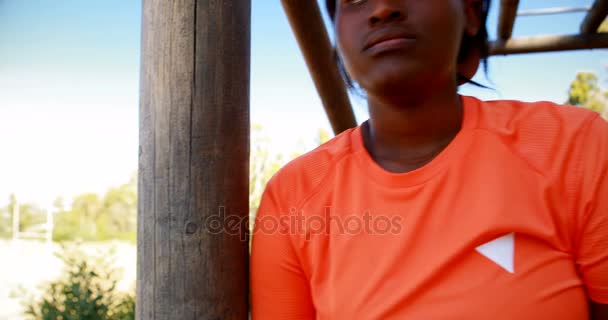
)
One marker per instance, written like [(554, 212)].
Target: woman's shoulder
[(540, 117), (302, 175), (547, 135)]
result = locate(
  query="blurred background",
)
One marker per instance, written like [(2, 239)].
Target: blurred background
[(69, 86)]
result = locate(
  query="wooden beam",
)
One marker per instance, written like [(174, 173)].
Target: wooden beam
[(308, 27), (193, 160), (595, 16), (506, 19), (549, 43)]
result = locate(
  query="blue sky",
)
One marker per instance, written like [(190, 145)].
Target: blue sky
[(69, 79)]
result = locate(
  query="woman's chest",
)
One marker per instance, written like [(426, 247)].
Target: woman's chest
[(440, 252), (512, 276)]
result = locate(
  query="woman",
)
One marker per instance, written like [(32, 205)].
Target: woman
[(439, 206)]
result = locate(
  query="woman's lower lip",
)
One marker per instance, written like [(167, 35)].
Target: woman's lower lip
[(392, 44)]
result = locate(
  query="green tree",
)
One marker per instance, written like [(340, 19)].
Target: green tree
[(322, 136), (80, 221), (582, 88), (262, 166), (5, 223), (92, 217), (585, 92), (31, 217), (119, 213)]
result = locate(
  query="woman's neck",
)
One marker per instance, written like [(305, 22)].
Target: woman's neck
[(406, 132)]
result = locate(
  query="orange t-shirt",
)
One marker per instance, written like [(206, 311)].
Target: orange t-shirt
[(510, 221)]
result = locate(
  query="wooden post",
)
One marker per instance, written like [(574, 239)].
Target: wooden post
[(506, 19), (194, 160), (594, 17), (307, 24)]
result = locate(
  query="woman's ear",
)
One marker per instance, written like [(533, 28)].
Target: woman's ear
[(472, 11), (470, 54)]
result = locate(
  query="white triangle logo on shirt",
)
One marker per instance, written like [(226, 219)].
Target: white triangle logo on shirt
[(501, 251)]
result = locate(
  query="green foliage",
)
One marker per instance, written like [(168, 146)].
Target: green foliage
[(604, 26), (322, 136), (582, 88), (30, 217), (97, 218), (85, 291), (262, 166), (6, 221), (585, 92), (90, 217)]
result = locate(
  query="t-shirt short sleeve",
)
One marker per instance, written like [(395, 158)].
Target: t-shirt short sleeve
[(279, 288), (592, 210)]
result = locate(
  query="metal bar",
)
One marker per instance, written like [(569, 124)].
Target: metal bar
[(549, 43)]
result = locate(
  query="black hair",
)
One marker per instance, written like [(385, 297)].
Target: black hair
[(468, 45)]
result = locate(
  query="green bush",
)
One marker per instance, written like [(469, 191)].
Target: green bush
[(85, 291), (94, 217)]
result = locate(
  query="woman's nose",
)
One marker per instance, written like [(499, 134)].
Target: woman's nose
[(384, 11)]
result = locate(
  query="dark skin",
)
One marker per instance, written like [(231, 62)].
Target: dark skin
[(428, 114), (404, 55)]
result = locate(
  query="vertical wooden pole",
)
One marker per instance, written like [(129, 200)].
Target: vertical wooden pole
[(506, 18), (193, 160)]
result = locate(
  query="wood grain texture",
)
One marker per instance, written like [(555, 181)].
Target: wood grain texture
[(506, 18), (307, 25), (594, 17), (193, 159)]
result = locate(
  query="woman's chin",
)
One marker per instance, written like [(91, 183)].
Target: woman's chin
[(396, 84)]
